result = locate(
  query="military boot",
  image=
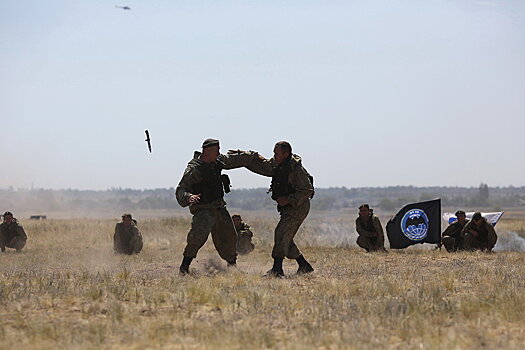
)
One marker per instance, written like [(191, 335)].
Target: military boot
[(277, 269), (184, 268), (304, 266)]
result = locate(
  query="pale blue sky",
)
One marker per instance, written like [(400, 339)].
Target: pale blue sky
[(369, 93)]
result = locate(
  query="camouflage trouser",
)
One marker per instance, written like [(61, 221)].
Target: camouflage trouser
[(471, 243), (16, 243), (371, 244), (244, 245), (217, 221), (452, 244), (291, 220), (134, 246)]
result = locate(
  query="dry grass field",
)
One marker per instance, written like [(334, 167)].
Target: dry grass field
[(67, 290)]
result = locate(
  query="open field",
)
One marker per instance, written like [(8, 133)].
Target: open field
[(67, 290)]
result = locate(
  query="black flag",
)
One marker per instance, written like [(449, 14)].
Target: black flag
[(415, 223)]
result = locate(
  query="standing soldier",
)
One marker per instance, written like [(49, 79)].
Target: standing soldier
[(292, 189), (452, 238), (244, 235), (127, 238), (478, 234), (12, 234), (202, 188), (368, 227)]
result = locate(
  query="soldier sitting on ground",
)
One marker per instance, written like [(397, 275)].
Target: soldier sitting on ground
[(479, 234), (369, 229), (244, 235), (12, 234), (452, 238), (127, 238)]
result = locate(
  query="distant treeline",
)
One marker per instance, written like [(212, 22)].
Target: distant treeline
[(384, 198)]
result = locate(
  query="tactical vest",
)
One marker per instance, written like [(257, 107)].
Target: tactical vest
[(280, 186), (368, 224), (10, 231), (210, 187)]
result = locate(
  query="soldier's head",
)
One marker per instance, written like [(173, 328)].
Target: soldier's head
[(364, 210), (477, 218), (8, 217), (127, 219), (210, 150), (237, 220), (460, 214), (282, 151)]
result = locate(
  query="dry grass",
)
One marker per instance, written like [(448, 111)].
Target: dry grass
[(67, 290)]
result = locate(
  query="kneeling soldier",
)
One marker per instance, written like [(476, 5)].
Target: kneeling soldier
[(12, 234), (369, 229), (451, 237), (479, 234), (127, 238), (244, 235)]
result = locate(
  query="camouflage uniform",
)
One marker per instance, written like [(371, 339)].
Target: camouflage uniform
[(452, 238), (127, 240), (210, 214), (296, 185), (244, 239), (371, 236), (12, 236), (486, 239)]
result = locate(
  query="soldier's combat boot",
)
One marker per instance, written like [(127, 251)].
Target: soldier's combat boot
[(277, 269), (304, 266), (184, 268)]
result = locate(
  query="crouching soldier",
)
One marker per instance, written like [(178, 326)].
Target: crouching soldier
[(12, 234), (368, 227), (452, 238), (244, 235), (127, 238), (479, 234)]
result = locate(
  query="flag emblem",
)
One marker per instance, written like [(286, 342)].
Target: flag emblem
[(414, 225)]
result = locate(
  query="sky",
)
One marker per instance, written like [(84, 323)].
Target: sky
[(369, 93)]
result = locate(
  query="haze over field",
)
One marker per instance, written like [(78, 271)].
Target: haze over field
[(368, 93)]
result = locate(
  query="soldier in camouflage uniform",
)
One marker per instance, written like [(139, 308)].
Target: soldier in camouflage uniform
[(452, 238), (244, 235), (292, 189), (369, 230), (12, 234), (127, 238), (478, 234), (202, 189)]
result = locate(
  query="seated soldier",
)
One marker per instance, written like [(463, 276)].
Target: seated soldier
[(244, 235), (127, 238), (12, 234), (479, 234), (451, 237), (369, 229)]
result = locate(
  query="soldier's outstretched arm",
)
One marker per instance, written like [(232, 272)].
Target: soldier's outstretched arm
[(183, 192), (251, 160)]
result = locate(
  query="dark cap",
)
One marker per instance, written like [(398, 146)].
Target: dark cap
[(460, 212), (236, 216), (8, 213), (210, 143), (476, 216), (364, 206), (126, 215)]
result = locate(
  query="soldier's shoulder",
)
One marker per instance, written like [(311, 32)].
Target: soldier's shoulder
[(375, 218)]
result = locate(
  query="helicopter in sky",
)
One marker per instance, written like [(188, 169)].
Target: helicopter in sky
[(123, 7)]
